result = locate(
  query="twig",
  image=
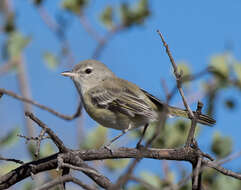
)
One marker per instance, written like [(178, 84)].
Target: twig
[(32, 138), (58, 142), (183, 181), (66, 117), (104, 40), (96, 176), (6, 67), (125, 177), (194, 124), (11, 160), (221, 169), (143, 182), (40, 138), (229, 158), (58, 31), (23, 83), (89, 29), (63, 179), (197, 175), (177, 75)]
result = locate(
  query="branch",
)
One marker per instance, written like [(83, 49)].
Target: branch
[(66, 117), (11, 160), (144, 183), (194, 124), (51, 162), (222, 169), (89, 29), (177, 75), (105, 39), (58, 142), (66, 178)]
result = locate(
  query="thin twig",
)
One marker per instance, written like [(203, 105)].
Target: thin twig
[(11, 160), (143, 182), (40, 138), (32, 138), (194, 124), (221, 169), (197, 175), (177, 75), (89, 29), (66, 117), (229, 158), (100, 46), (58, 142), (64, 179)]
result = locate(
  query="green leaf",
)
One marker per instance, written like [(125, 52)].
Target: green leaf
[(9, 25), (134, 15), (113, 165), (237, 71), (10, 138), (28, 186), (96, 138), (150, 178), (51, 60), (225, 182), (221, 146), (5, 168), (38, 2), (106, 17), (182, 66), (16, 43), (126, 17), (141, 11), (230, 103), (47, 149), (219, 66), (74, 6)]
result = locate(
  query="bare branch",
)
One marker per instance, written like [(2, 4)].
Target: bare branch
[(177, 75), (11, 160), (197, 175), (221, 169), (31, 138), (64, 179), (194, 124), (66, 117), (105, 39), (144, 183), (58, 142), (89, 29), (51, 162)]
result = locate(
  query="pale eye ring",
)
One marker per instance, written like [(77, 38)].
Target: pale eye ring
[(88, 70)]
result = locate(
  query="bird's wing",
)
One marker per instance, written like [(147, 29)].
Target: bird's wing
[(122, 99), (154, 99)]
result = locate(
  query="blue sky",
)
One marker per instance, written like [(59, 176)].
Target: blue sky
[(194, 30)]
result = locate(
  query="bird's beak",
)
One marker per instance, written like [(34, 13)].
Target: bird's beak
[(68, 74)]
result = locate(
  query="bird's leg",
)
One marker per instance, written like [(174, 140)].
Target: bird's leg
[(107, 146), (138, 145)]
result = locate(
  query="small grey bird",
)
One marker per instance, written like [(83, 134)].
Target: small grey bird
[(117, 103)]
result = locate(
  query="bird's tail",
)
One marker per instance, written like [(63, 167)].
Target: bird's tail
[(203, 119)]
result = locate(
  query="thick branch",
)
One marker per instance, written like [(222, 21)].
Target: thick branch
[(51, 162)]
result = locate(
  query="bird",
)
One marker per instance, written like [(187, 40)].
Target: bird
[(117, 103)]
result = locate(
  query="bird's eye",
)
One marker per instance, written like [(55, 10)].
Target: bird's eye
[(88, 71)]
